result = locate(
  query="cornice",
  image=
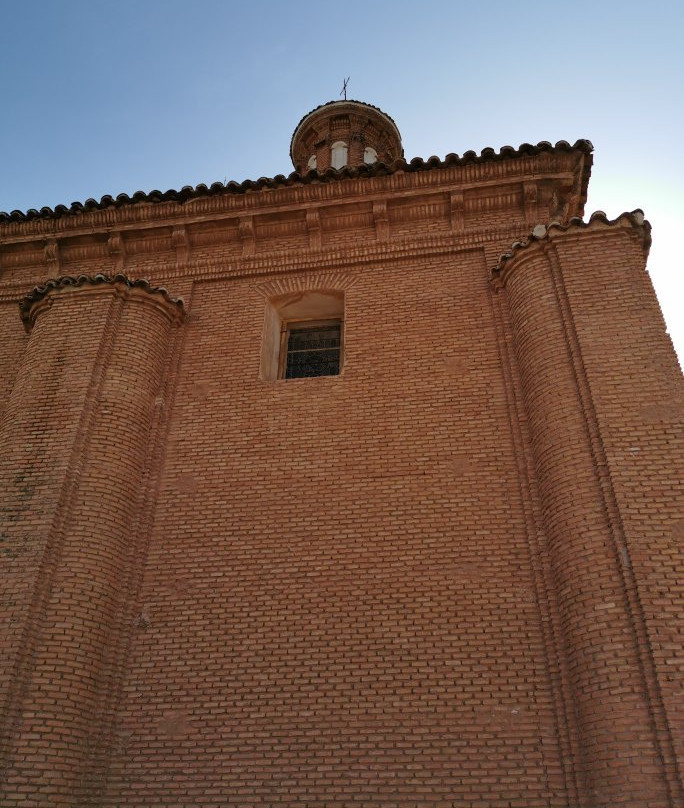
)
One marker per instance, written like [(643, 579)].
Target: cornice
[(293, 261), (331, 260), (298, 189), (633, 221), (31, 302)]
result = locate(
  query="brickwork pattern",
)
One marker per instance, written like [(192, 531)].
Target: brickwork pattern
[(637, 396), (403, 585), (81, 411), (333, 588), (561, 337), (356, 124)]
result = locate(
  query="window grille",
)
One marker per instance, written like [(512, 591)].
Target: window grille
[(312, 349)]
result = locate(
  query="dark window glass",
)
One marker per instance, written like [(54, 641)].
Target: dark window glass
[(313, 350)]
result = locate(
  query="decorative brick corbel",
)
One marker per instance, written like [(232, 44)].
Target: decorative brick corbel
[(457, 211), (52, 259), (381, 221), (246, 232), (117, 250), (313, 226), (530, 200), (179, 239)]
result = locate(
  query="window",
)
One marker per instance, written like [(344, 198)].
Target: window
[(311, 349), (370, 155), (303, 335), (338, 154), (312, 162)]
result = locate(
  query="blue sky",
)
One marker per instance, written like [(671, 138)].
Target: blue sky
[(104, 97)]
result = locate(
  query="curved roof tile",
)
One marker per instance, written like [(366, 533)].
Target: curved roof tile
[(635, 218), (39, 292), (371, 170)]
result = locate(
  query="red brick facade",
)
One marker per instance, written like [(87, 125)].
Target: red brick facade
[(448, 576)]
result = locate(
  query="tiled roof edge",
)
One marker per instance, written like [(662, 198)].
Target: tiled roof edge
[(329, 175), (635, 218), (39, 292)]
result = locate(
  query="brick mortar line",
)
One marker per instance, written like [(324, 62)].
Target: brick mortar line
[(660, 726)]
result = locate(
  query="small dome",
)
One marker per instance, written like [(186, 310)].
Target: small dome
[(344, 133)]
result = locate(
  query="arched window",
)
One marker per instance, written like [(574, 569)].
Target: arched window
[(370, 155), (338, 154), (312, 162)]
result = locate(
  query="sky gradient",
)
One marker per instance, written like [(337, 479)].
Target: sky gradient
[(102, 97)]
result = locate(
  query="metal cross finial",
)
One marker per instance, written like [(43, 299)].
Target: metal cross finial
[(344, 88)]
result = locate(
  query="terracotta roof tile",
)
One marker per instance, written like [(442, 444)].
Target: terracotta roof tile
[(329, 175), (634, 218), (39, 292)]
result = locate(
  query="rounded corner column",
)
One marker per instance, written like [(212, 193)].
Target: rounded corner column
[(76, 443), (621, 763)]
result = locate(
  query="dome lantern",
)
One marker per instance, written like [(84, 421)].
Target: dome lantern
[(344, 133)]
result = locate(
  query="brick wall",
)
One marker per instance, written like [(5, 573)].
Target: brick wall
[(338, 603), (403, 585), (562, 291), (75, 441)]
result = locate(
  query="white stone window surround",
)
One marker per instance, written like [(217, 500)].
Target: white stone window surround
[(339, 154)]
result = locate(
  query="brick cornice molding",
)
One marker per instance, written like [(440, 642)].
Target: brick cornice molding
[(40, 296), (285, 261), (562, 162), (339, 259), (632, 222)]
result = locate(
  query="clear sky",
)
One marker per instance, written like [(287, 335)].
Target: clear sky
[(110, 96)]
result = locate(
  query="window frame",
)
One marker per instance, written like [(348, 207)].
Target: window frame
[(286, 325)]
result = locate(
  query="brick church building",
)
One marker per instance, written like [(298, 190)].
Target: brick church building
[(353, 487)]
